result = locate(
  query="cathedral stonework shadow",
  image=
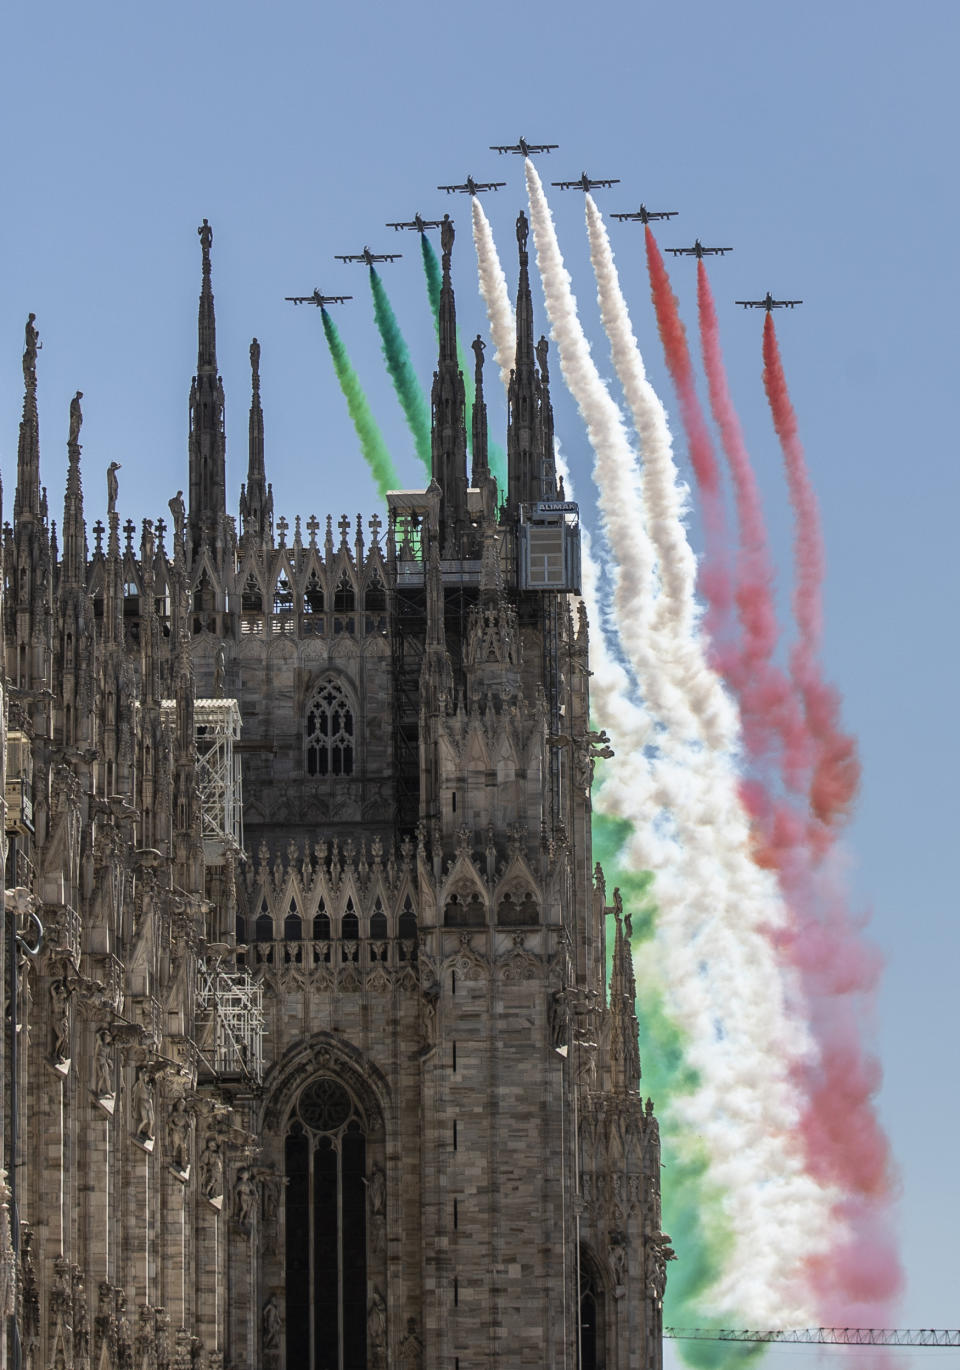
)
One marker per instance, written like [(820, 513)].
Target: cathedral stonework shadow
[(330, 1232)]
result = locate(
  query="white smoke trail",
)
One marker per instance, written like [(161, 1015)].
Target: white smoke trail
[(493, 288), (722, 982)]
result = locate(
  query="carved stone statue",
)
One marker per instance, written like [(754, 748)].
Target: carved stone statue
[(542, 349), (479, 347), (219, 672), (60, 1020), (76, 417), (211, 1170), (30, 348), (178, 510), (523, 228), (446, 234), (179, 1123), (377, 1196), (245, 1199), (377, 1330), (141, 1101), (206, 237), (272, 1324), (255, 361), (411, 1347), (113, 487), (103, 1064)]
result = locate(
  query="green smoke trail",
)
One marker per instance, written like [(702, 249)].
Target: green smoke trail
[(431, 270), (692, 1206), (371, 439), (412, 399)]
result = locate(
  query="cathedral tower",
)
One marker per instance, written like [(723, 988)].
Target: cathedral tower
[(322, 1065)]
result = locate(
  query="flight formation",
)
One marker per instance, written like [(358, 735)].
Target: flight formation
[(721, 817)]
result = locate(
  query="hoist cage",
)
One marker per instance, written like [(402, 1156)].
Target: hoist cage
[(230, 1022), (216, 725)]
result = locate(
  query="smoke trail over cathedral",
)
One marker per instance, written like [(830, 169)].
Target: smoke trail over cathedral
[(413, 401), (372, 445)]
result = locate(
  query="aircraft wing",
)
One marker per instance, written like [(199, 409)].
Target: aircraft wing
[(349, 257), (400, 225), (614, 182), (386, 256), (683, 251), (449, 189), (299, 299), (568, 185), (488, 185)]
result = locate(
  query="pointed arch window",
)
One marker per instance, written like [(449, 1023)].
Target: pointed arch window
[(344, 604), (330, 1185), (313, 605), (330, 731)]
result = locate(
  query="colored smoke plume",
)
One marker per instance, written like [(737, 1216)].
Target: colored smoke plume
[(715, 573), (836, 774), (413, 402), (720, 982), (493, 288), (371, 439), (431, 270)]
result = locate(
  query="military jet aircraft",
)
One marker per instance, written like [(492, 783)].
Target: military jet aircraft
[(768, 303), (318, 299), (646, 216), (698, 250), (522, 148), (472, 187), (367, 256), (421, 225), (584, 183)]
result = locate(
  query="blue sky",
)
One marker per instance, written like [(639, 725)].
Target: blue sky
[(817, 139)]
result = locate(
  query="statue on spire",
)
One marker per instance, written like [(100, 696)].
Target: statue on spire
[(76, 418), (479, 347), (255, 363), (206, 242), (446, 235), (32, 345), (113, 487), (523, 229)]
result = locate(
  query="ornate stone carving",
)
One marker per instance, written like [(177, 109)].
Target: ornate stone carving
[(411, 1348), (143, 1109), (179, 1127), (245, 1198), (377, 1331), (211, 1172)]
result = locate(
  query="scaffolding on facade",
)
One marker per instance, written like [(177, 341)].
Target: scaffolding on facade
[(216, 732), (230, 1022)]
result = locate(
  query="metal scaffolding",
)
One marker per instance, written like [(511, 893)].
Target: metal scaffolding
[(216, 730), (230, 1021)]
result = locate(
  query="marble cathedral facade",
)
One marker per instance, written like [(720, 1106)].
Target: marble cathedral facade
[(315, 1057)]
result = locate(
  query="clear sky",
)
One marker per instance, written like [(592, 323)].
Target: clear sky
[(817, 139)]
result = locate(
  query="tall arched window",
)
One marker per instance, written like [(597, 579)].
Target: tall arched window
[(330, 735), (326, 1237)]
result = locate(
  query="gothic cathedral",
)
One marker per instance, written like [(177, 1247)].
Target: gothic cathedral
[(320, 1049)]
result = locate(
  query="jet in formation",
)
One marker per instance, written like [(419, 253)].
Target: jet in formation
[(522, 148), (318, 299), (768, 303), (583, 182), (698, 250), (367, 256), (421, 225), (472, 187), (646, 216)]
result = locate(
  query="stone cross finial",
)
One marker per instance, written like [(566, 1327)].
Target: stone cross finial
[(344, 526), (98, 531), (129, 529), (313, 526), (282, 526), (375, 523)]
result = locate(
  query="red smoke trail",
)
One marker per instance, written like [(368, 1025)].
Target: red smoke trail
[(845, 1143), (715, 572), (836, 775), (768, 704)]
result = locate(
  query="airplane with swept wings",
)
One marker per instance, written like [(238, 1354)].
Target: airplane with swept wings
[(584, 182), (645, 216), (522, 148), (472, 187), (367, 256), (698, 250), (768, 303), (421, 225), (318, 299)]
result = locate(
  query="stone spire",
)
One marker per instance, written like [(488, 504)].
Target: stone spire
[(624, 1049), (548, 468), (74, 528), (253, 500), (207, 443), (449, 431), (482, 479), (27, 500), (523, 435)]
